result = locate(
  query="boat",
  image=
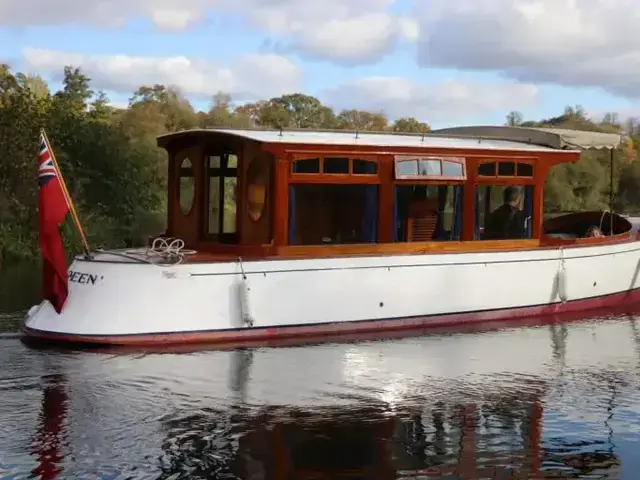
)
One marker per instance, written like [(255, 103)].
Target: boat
[(287, 234)]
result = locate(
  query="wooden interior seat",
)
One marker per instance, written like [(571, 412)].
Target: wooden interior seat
[(422, 221)]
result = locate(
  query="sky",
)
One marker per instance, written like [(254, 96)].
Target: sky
[(445, 62)]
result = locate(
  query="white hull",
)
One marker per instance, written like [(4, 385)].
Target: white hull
[(123, 298)]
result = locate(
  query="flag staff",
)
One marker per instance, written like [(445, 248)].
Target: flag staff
[(72, 209)]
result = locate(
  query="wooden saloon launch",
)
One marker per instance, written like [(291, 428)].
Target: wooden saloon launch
[(275, 234)]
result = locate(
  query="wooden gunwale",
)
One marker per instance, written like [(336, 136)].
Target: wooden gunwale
[(297, 252)]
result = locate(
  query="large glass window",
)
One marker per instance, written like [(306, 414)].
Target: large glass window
[(223, 181), (427, 213), (333, 200), (503, 212), (332, 214)]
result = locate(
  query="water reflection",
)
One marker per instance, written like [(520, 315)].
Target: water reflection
[(530, 402), (50, 438)]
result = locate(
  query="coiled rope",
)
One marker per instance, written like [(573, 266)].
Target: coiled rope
[(163, 251)]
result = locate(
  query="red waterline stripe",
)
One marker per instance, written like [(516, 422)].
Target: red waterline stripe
[(327, 329)]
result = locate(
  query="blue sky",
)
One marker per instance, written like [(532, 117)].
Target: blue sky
[(447, 62)]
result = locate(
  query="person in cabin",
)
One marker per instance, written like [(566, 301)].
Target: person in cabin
[(594, 231), (506, 221)]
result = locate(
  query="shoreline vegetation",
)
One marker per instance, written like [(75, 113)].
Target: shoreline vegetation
[(117, 176)]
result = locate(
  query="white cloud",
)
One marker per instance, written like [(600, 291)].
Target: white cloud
[(450, 101), (568, 42), (361, 39), (249, 77), (173, 18), (346, 31), (256, 77)]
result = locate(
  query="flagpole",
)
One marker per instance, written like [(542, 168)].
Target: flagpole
[(72, 209)]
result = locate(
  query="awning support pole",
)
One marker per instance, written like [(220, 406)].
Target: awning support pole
[(612, 153)]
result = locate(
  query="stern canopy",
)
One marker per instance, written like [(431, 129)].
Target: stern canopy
[(557, 138)]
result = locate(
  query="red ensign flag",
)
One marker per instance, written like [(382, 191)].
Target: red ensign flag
[(52, 209)]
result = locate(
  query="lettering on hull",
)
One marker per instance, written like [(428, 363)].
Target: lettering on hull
[(84, 278)]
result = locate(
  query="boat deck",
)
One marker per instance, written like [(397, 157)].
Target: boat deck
[(269, 252)]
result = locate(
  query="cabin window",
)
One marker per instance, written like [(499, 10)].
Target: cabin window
[(223, 181), (257, 180), (334, 166), (364, 167), (424, 213), (441, 168), (507, 168), (333, 214), (334, 200), (503, 212), (308, 165), (186, 186)]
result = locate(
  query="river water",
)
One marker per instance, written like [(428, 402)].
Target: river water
[(558, 399)]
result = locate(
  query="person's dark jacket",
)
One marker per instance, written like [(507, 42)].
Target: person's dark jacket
[(504, 222)]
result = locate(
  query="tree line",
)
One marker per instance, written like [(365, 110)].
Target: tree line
[(117, 175)]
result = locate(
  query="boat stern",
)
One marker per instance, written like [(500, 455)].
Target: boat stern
[(90, 283), (113, 300)]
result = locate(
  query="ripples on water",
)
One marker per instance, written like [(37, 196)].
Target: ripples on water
[(531, 402)]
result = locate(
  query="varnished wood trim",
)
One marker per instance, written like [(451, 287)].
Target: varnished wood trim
[(469, 207), (429, 181), (172, 180), (212, 252), (281, 202), (241, 192), (334, 179), (551, 157), (537, 212), (217, 252), (402, 248), (505, 181), (385, 202)]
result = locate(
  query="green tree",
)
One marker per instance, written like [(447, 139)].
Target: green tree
[(304, 111), (362, 120), (410, 125), (514, 118)]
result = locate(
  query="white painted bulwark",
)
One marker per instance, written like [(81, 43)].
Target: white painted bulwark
[(112, 296)]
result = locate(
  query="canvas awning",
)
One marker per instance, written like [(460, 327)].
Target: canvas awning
[(560, 138)]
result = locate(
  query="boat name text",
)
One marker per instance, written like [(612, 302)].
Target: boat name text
[(83, 278)]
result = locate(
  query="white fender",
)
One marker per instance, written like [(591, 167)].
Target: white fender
[(243, 301), (562, 279), (243, 289)]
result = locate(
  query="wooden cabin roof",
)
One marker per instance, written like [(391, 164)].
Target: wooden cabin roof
[(457, 138)]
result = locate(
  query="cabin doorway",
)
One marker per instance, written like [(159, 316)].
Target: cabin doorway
[(221, 198)]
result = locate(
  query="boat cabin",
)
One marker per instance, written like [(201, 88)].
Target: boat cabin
[(281, 193)]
